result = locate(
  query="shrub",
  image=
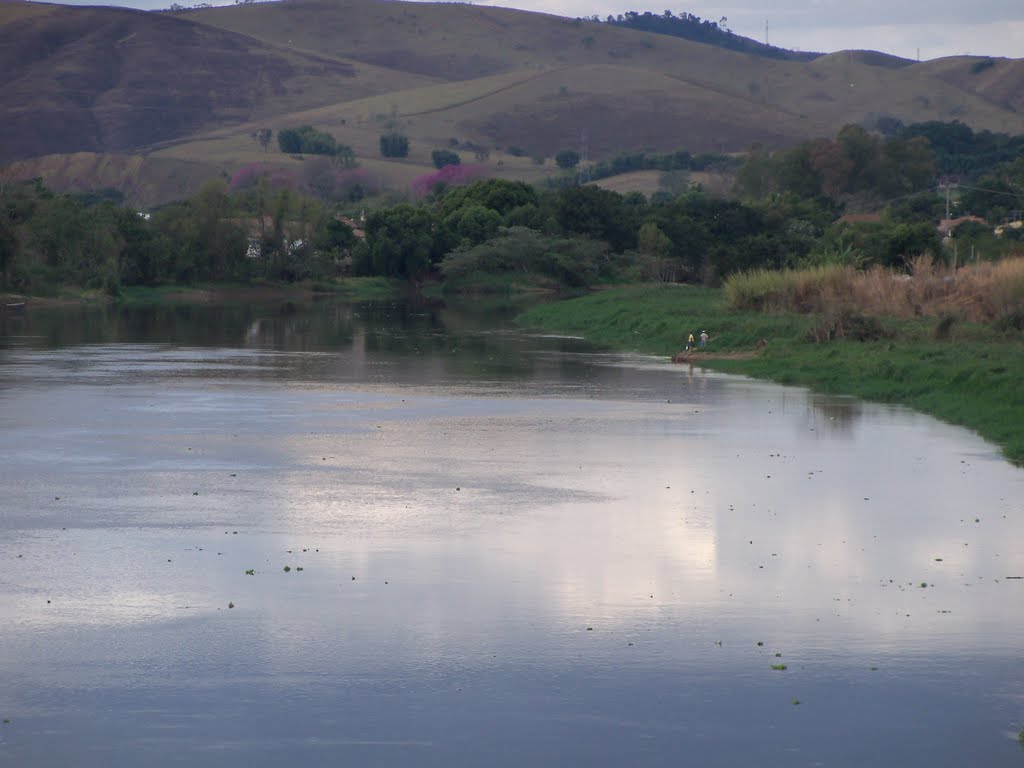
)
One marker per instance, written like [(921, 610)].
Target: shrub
[(944, 328), (394, 145), (847, 323), (443, 157), (567, 159), (306, 140)]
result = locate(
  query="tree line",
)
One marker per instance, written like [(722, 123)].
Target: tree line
[(49, 240), (689, 26), (490, 234)]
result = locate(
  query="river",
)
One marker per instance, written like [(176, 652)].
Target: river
[(388, 534)]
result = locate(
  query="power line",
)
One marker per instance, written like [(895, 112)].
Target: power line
[(992, 191)]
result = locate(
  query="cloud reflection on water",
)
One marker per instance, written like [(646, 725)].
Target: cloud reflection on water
[(528, 530)]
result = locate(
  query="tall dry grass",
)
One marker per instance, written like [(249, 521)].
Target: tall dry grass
[(990, 292)]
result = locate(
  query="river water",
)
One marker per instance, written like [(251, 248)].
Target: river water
[(382, 535)]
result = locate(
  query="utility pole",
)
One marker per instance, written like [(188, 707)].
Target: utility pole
[(947, 184), (584, 173)]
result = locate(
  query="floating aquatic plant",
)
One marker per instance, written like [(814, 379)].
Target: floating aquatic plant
[(779, 667)]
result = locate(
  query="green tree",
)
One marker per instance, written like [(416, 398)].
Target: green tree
[(652, 241), (394, 145), (596, 213), (567, 159), (8, 250), (290, 141), (498, 195), (757, 176), (263, 136), (474, 224), (306, 140), (400, 241), (443, 157), (345, 156)]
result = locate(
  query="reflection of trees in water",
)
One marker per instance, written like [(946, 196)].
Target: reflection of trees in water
[(284, 325), (472, 339), (833, 415)]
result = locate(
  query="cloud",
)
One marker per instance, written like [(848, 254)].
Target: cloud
[(932, 40)]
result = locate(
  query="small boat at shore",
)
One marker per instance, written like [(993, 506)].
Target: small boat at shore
[(14, 309)]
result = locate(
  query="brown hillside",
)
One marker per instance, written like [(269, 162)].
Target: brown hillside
[(1001, 82), (193, 86), (105, 79), (145, 181)]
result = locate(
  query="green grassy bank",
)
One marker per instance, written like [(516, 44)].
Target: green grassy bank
[(966, 374)]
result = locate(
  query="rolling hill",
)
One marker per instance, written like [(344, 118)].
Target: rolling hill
[(187, 90)]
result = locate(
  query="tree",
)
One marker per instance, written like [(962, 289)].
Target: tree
[(306, 140), (652, 241), (567, 159), (443, 157), (345, 156), (497, 194), (263, 136), (400, 241), (8, 250), (290, 141), (832, 165), (474, 224), (596, 213), (394, 145)]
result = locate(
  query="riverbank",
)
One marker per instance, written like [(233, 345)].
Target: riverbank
[(355, 288), (963, 373)]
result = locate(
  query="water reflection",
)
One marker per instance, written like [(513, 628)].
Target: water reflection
[(514, 550)]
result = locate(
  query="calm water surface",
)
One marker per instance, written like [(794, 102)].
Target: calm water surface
[(504, 549)]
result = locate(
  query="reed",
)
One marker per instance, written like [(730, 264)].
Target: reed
[(986, 292)]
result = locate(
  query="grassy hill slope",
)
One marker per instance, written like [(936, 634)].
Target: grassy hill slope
[(106, 79), (191, 87)]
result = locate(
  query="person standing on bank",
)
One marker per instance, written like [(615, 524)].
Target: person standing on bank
[(704, 339), (689, 343)]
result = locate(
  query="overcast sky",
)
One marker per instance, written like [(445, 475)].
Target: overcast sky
[(934, 28), (900, 27)]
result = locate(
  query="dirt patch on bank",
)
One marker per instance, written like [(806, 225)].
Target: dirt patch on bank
[(696, 358)]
